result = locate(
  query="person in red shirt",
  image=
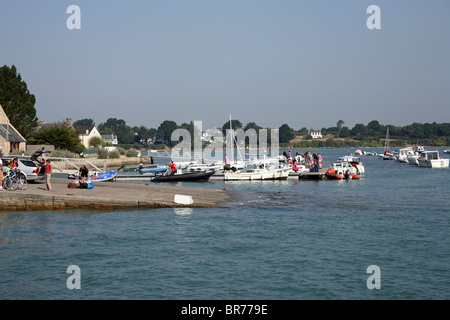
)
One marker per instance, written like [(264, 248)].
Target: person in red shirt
[(48, 175), (173, 167)]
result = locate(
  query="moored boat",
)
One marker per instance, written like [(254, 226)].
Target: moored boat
[(431, 159), (188, 176), (106, 176), (340, 174), (349, 162), (413, 159), (151, 170), (258, 174), (404, 153), (387, 155)]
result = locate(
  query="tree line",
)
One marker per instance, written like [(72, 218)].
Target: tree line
[(18, 104)]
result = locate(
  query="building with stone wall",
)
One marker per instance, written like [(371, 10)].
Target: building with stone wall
[(11, 141)]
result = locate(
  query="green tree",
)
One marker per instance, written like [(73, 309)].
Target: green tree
[(286, 133), (84, 122), (344, 133), (303, 131), (124, 133), (95, 142), (359, 130), (235, 124), (165, 130), (110, 126), (61, 136), (119, 127), (17, 101)]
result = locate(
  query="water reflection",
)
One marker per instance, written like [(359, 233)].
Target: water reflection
[(183, 211)]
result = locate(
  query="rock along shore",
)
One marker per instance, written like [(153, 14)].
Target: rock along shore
[(106, 195)]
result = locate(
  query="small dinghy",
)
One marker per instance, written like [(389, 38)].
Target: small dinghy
[(107, 176), (152, 170)]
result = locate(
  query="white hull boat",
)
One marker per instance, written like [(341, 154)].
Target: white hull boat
[(350, 161), (404, 153), (258, 174), (412, 159), (431, 159)]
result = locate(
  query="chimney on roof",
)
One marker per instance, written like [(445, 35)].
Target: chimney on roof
[(68, 122)]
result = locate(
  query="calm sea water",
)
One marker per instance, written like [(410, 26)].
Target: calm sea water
[(287, 240)]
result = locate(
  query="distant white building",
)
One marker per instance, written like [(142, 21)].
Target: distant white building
[(212, 135), (111, 138), (86, 133), (315, 134)]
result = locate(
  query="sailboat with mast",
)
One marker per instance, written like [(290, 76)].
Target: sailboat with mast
[(387, 155)]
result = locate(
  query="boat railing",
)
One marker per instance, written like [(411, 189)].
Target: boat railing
[(64, 164)]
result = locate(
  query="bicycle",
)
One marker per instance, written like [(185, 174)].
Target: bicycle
[(18, 176), (9, 183), (15, 181)]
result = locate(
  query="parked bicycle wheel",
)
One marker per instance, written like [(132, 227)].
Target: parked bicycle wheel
[(22, 183), (10, 184)]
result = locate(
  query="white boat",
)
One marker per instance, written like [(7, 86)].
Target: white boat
[(404, 153), (258, 174), (431, 159), (413, 159), (196, 167), (387, 155), (447, 151), (359, 153), (216, 166), (350, 161), (343, 166)]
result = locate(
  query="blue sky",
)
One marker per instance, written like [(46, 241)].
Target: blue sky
[(304, 63)]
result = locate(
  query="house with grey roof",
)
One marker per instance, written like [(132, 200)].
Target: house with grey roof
[(111, 138), (10, 139)]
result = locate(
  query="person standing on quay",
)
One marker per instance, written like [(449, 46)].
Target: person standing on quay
[(48, 175), (227, 163)]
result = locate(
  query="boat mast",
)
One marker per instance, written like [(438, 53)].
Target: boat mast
[(232, 140), (386, 144)]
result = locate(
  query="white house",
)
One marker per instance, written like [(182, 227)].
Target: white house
[(315, 134), (111, 138), (86, 133), (212, 135)]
